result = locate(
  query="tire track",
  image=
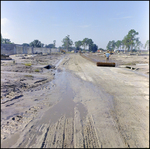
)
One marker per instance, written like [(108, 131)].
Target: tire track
[(43, 143), (91, 140)]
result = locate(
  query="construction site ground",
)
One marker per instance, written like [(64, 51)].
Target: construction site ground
[(76, 104)]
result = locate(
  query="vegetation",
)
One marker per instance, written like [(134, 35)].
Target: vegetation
[(130, 42), (25, 45), (91, 45), (67, 42), (147, 45), (118, 44), (28, 64), (5, 40), (130, 39), (132, 63), (50, 46), (78, 44), (54, 43), (101, 49), (138, 45), (36, 43), (93, 48), (111, 45), (86, 42), (37, 70)]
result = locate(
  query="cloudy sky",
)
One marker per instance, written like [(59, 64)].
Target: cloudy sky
[(102, 21)]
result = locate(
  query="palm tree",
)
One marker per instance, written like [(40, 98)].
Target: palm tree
[(84, 42), (138, 45), (89, 43), (54, 43), (67, 42), (147, 44)]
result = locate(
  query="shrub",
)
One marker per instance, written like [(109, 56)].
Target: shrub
[(132, 63), (28, 64), (37, 70)]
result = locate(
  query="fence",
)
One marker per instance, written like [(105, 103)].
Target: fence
[(11, 49)]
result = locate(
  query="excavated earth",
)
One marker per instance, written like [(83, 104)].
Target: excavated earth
[(74, 104)]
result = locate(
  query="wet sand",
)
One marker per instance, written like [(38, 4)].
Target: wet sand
[(77, 104)]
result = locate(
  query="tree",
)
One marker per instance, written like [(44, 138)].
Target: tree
[(118, 44), (111, 45), (93, 47), (49, 46), (123, 45), (54, 43), (147, 45), (130, 39), (126, 43), (42, 45), (67, 42), (101, 49), (78, 44), (25, 45), (85, 42), (89, 42), (138, 45), (35, 43), (6, 41)]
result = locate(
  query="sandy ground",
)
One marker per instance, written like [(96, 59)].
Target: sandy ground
[(77, 104)]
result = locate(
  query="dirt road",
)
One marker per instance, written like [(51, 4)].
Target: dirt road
[(84, 106)]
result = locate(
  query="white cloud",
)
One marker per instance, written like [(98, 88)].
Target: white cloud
[(4, 21)]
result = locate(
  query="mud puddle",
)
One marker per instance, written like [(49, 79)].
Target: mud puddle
[(63, 108), (66, 104)]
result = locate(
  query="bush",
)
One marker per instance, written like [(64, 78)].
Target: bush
[(132, 63), (28, 64), (37, 70)]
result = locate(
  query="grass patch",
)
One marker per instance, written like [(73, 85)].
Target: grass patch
[(43, 63), (37, 70), (28, 64), (130, 64)]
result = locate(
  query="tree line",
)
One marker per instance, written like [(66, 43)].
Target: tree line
[(36, 43), (86, 42), (5, 40), (129, 43)]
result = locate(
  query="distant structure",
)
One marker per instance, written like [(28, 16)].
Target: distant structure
[(118, 51), (11, 49)]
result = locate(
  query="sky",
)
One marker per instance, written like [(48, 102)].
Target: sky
[(46, 21)]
